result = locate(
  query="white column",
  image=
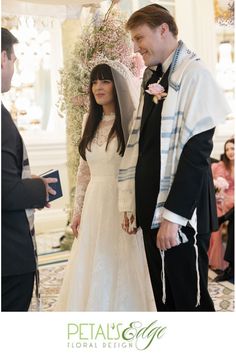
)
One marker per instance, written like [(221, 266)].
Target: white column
[(195, 20), (55, 122)]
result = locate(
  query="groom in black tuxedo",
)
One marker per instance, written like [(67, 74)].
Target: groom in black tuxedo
[(18, 194), (154, 33)]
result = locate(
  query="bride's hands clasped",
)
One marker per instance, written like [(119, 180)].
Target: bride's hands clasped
[(128, 224)]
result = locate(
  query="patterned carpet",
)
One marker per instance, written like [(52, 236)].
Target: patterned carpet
[(52, 276)]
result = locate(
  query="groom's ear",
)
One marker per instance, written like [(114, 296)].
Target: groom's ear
[(4, 58), (164, 28)]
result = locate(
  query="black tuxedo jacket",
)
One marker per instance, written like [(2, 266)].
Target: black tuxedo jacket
[(17, 195), (193, 184)]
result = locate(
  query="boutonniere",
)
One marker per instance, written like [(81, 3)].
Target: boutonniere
[(157, 91)]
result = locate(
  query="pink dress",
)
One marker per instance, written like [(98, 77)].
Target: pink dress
[(225, 201)]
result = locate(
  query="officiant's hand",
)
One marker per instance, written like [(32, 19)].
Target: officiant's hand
[(127, 224), (49, 189), (167, 235), (75, 224)]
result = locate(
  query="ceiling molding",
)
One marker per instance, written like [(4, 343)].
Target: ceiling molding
[(62, 2), (62, 9)]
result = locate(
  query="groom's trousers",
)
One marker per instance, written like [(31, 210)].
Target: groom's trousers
[(180, 273)]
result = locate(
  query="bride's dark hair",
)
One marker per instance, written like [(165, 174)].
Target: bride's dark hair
[(101, 72)]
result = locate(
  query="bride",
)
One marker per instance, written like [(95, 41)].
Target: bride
[(107, 269)]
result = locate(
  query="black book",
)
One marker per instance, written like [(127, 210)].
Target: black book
[(56, 186)]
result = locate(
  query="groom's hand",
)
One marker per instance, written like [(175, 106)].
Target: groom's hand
[(167, 235), (127, 224)]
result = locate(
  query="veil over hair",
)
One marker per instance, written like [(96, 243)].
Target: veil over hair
[(128, 92)]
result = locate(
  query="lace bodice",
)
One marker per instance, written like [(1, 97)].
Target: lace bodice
[(84, 173), (104, 129)]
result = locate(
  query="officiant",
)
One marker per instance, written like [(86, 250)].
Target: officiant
[(20, 195)]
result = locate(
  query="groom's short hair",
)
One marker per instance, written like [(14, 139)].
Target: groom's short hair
[(152, 15), (7, 41)]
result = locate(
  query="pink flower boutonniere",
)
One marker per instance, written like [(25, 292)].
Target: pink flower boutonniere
[(157, 91)]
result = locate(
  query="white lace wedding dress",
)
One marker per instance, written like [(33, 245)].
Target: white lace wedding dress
[(107, 269)]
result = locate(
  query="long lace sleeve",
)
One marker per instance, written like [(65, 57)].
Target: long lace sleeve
[(83, 174), (83, 178)]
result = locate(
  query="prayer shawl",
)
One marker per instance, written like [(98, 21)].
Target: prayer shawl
[(194, 104), (30, 216)]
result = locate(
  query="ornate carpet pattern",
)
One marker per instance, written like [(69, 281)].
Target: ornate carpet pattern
[(52, 275)]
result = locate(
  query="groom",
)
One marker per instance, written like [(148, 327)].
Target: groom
[(165, 176)]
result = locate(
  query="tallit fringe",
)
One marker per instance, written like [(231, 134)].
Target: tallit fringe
[(163, 278), (181, 238), (197, 270)]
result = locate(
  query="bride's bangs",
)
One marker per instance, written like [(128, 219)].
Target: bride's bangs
[(101, 72)]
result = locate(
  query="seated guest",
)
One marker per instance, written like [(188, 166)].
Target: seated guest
[(223, 174), (228, 273)]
